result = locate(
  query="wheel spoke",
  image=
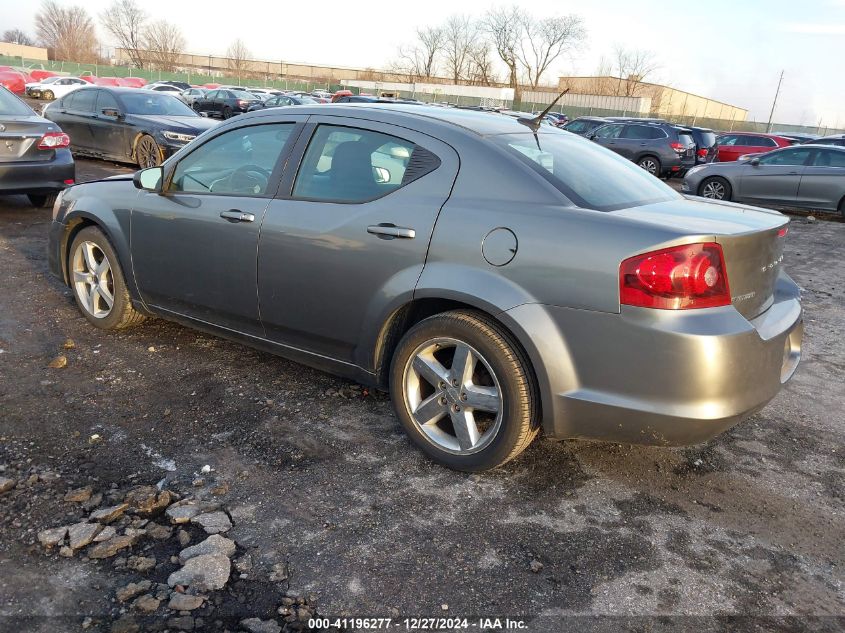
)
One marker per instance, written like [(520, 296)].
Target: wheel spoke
[(482, 398), (430, 369), (92, 300), (463, 364), (102, 269), (465, 429), (80, 277), (430, 410), (106, 296), (88, 256)]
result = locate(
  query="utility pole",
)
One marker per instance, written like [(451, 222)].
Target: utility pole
[(774, 103)]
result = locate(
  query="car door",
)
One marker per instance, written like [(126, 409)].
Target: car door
[(110, 130), (774, 177), (194, 245), (204, 104), (731, 147), (823, 182), (77, 111), (351, 233), (608, 136)]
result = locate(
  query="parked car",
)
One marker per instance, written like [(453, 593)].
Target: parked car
[(35, 159), (107, 81), (192, 94), (662, 149), (705, 144), (278, 101), (126, 124), (321, 94), (516, 114), (798, 137), (559, 119), (225, 103), (182, 85), (341, 93), (731, 146), (584, 125), (165, 87), (573, 292), (54, 87), (13, 81), (264, 93), (809, 176), (836, 139), (132, 82)]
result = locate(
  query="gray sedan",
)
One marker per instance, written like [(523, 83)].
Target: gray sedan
[(497, 277), (810, 176)]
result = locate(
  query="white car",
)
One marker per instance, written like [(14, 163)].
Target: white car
[(175, 90), (54, 87)]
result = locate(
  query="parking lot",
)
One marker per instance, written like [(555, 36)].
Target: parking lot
[(329, 500)]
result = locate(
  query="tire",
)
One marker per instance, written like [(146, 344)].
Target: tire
[(715, 188), (498, 378), (40, 200), (842, 207), (121, 314), (147, 152), (227, 112), (48, 95), (651, 164)]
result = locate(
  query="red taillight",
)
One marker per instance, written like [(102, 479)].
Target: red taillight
[(702, 152), (678, 147), (54, 140), (783, 232), (677, 278)]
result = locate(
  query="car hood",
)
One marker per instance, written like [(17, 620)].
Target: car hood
[(698, 216), (184, 124)]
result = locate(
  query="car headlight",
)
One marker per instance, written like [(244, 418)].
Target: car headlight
[(178, 136)]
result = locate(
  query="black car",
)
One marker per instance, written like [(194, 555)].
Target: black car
[(182, 85), (798, 137), (662, 149), (836, 139), (278, 101), (126, 124), (225, 103), (34, 155), (583, 125), (705, 144)]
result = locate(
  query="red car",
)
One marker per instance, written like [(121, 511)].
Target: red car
[(38, 75), (731, 146), (14, 81)]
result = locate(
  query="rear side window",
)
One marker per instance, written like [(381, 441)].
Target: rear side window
[(344, 164), (10, 104), (829, 159), (644, 132), (586, 173)]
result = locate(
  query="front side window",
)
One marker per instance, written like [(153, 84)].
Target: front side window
[(345, 164), (85, 100), (786, 157), (578, 127), (152, 103), (728, 140), (589, 175), (238, 162)]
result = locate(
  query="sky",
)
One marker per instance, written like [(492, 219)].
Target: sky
[(728, 50)]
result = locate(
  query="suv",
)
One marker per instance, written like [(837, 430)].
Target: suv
[(836, 139), (584, 125), (705, 144), (662, 149), (735, 144)]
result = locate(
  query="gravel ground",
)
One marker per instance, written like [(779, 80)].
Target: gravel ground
[(328, 500)]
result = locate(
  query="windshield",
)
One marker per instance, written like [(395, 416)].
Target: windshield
[(10, 104), (155, 104), (241, 94), (49, 80), (589, 175), (305, 100)]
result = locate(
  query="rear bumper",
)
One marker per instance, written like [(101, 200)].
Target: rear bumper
[(658, 376), (38, 176)]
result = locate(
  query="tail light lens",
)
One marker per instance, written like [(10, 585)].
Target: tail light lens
[(678, 147), (242, 102), (702, 153), (677, 278), (54, 140)]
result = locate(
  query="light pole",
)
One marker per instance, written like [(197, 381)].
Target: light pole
[(774, 103)]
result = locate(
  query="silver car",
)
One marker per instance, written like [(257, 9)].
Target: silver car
[(810, 176), (499, 278)]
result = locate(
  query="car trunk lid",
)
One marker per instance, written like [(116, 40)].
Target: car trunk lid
[(19, 138), (751, 239)]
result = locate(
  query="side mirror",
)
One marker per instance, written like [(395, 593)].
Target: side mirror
[(592, 137), (149, 179), (111, 112), (754, 162)]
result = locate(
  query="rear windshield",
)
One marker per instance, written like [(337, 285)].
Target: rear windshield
[(154, 103), (686, 138), (708, 139), (589, 175), (242, 94), (10, 104)]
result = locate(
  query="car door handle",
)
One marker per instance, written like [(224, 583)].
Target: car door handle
[(233, 215), (389, 231)]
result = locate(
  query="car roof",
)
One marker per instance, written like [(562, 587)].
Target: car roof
[(766, 134), (836, 148)]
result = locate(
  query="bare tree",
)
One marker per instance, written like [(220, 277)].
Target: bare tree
[(239, 56), (127, 23), (545, 40), (504, 28), (17, 36), (68, 32), (632, 67), (419, 61), (165, 43), (459, 35), (481, 68)]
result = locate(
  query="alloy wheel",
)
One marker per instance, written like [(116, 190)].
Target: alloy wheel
[(714, 190), (93, 280), (649, 165), (147, 153), (453, 396)]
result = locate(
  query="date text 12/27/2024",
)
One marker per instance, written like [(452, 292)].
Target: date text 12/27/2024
[(418, 624)]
